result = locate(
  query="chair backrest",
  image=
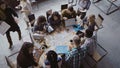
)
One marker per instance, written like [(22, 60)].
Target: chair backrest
[(99, 21), (9, 62), (48, 13), (64, 6)]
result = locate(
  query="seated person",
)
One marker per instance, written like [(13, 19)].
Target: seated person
[(90, 41), (55, 20), (90, 22), (83, 6), (25, 57), (68, 13), (40, 26), (52, 60), (74, 57)]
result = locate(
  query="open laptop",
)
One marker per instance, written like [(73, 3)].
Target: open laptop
[(70, 22)]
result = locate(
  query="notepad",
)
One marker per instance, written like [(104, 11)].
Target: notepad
[(61, 49), (3, 27), (77, 28)]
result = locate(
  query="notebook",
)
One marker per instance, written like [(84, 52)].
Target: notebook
[(70, 22), (61, 49), (3, 27)]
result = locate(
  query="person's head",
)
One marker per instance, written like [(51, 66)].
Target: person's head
[(91, 18), (27, 48), (55, 16), (52, 58), (88, 33), (41, 20), (2, 5), (76, 40), (70, 8)]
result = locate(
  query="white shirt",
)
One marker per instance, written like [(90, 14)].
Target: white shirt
[(90, 43)]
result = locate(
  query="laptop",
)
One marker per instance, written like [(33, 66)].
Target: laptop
[(70, 22)]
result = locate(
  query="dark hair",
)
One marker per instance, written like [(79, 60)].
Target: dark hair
[(52, 58), (41, 19), (55, 14), (1, 2), (25, 48), (88, 33), (70, 8)]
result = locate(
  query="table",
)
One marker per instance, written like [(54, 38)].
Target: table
[(55, 39)]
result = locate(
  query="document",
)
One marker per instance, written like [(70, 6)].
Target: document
[(70, 22), (3, 27), (61, 49)]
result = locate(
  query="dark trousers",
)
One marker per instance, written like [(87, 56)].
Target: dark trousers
[(9, 37)]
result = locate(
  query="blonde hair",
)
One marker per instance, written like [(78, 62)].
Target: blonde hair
[(76, 40), (91, 18)]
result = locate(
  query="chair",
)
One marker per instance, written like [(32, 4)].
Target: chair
[(98, 55), (10, 63), (99, 21), (111, 6), (64, 6)]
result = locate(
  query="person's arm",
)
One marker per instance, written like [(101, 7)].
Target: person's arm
[(96, 26), (13, 12), (29, 7)]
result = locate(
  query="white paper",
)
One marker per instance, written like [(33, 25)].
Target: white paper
[(3, 27), (70, 22)]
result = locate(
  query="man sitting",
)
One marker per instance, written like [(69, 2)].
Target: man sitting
[(68, 13)]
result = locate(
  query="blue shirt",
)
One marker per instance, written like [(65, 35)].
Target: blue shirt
[(74, 57)]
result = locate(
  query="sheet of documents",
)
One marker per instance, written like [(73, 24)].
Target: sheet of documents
[(3, 27)]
